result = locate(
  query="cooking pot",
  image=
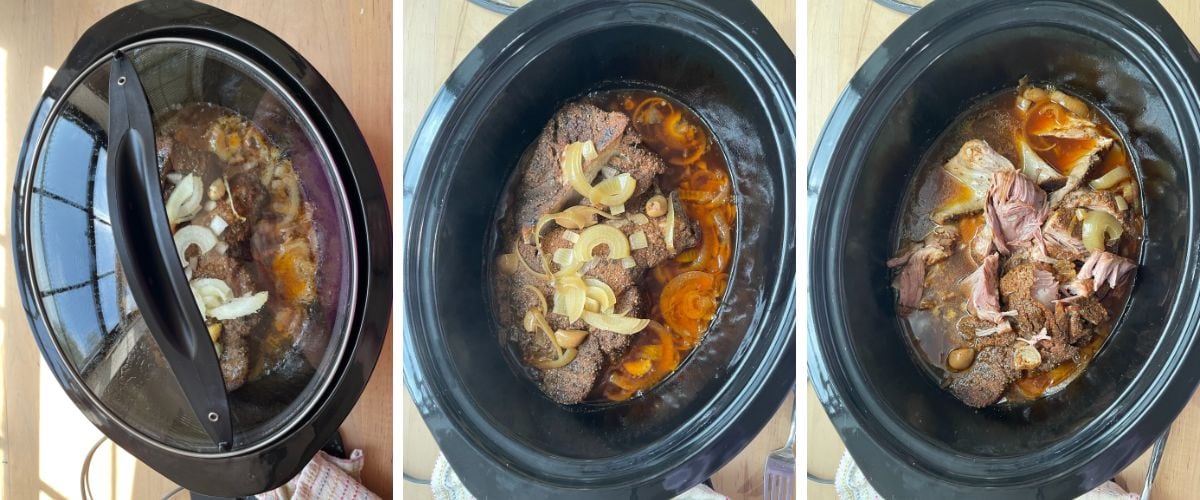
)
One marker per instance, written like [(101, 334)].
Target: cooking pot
[(506, 439), (910, 437), (106, 292)]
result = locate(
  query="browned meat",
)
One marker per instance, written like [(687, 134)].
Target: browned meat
[(1061, 234), (985, 381), (235, 359), (686, 233), (1078, 317), (1106, 268), (1104, 201), (1017, 294), (973, 166), (613, 345), (1015, 210), (542, 186), (984, 300), (937, 246), (248, 194), (571, 383), (1036, 169), (638, 162)]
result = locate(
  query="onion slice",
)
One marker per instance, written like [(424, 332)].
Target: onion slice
[(210, 293), (603, 295), (1110, 179), (564, 359), (614, 191), (592, 237), (572, 169), (614, 323), (218, 225), (1099, 226), (199, 236), (570, 338), (185, 200), (241, 306), (669, 229), (570, 296)]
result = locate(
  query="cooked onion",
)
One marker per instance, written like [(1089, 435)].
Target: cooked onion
[(218, 225), (637, 241), (508, 263), (199, 236), (539, 321), (614, 191), (589, 150), (210, 293), (185, 200), (628, 263), (563, 359), (1112, 178), (592, 237), (570, 338), (576, 217), (614, 323), (639, 219), (214, 332), (1099, 226), (240, 306), (563, 257), (571, 236), (216, 190), (1122, 205), (570, 296), (669, 227), (603, 295), (537, 293), (572, 169), (617, 209)]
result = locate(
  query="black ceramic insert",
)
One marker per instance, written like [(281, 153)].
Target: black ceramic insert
[(910, 437), (722, 59)]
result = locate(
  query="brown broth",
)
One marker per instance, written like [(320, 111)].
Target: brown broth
[(933, 333), (696, 168)]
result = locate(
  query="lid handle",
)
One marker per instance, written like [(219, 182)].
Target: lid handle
[(148, 256)]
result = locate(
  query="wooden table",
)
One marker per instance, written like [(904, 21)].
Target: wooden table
[(842, 34), (437, 35), (43, 437)]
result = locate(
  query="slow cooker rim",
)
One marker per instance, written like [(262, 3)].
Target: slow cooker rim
[(424, 148), (348, 154), (843, 122)]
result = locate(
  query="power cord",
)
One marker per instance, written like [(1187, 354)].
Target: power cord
[(85, 486), (415, 480)]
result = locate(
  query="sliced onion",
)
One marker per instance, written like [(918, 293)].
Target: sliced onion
[(628, 263), (1112, 178), (570, 338), (571, 236), (614, 323), (592, 237), (210, 293), (539, 321), (609, 172), (184, 202), (241, 306), (590, 304), (221, 247), (617, 209), (174, 177), (564, 359), (576, 217), (218, 225), (570, 296), (214, 332), (572, 169), (600, 292), (614, 191), (199, 236), (589, 150), (1099, 226), (1122, 205), (637, 241), (563, 257), (669, 229), (639, 219)]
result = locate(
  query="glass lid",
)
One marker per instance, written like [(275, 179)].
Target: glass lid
[(238, 337)]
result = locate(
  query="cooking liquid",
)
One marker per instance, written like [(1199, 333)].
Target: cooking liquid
[(934, 332), (683, 293)]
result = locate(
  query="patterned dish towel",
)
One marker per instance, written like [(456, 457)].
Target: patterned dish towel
[(851, 484), (446, 486), (325, 476)]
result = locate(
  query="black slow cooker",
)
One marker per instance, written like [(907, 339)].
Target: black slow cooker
[(497, 430), (105, 289), (911, 438)]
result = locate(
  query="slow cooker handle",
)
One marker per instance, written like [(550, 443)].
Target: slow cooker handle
[(148, 256)]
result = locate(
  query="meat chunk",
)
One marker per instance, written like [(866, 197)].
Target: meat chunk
[(973, 167), (936, 247), (984, 300), (1106, 268), (686, 233), (1061, 234), (1037, 170), (643, 165), (1017, 294), (985, 381), (542, 185), (571, 383), (613, 345), (1014, 211), (235, 358)]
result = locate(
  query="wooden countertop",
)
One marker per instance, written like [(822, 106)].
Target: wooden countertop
[(43, 437), (437, 35), (842, 34)]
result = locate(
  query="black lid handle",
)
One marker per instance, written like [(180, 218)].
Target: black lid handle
[(148, 256)]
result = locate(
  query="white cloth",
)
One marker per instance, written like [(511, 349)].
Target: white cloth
[(851, 484), (446, 486), (325, 476)]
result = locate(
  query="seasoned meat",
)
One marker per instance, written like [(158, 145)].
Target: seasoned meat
[(247, 193), (638, 162), (984, 300), (613, 345), (1106, 268), (973, 166), (235, 360), (1061, 232), (1017, 294), (542, 187), (686, 233), (1015, 210), (985, 381), (937, 246), (1037, 170), (571, 383), (1104, 201)]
